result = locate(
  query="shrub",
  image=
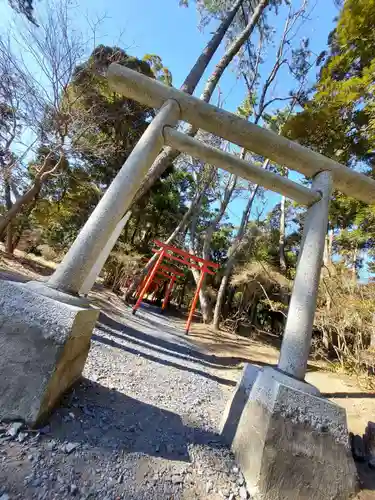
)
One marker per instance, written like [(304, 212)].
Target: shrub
[(47, 252)]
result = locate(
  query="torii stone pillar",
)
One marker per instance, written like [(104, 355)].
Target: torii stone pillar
[(296, 344), (82, 255), (290, 442), (45, 329), (101, 260)]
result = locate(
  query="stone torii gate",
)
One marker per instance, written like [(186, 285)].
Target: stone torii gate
[(289, 441)]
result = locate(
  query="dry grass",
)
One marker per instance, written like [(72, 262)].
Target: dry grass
[(259, 272)]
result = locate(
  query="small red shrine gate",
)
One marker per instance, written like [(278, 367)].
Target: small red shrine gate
[(170, 252)]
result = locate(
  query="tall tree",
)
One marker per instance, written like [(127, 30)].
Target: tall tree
[(339, 121), (168, 155), (54, 50), (255, 108), (202, 232), (70, 114), (102, 128)]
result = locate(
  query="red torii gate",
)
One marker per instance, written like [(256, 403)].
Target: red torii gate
[(167, 252), (159, 278)]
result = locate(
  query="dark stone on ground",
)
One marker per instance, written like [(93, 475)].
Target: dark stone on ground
[(358, 448)]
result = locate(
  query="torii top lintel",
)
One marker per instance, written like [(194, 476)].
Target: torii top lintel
[(186, 258), (232, 128)]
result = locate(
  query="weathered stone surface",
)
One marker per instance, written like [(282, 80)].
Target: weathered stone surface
[(14, 429), (237, 402), (293, 445), (52, 293), (44, 345)]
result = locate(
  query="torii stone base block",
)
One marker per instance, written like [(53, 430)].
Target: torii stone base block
[(44, 344), (289, 443)]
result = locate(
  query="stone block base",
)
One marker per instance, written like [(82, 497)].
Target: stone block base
[(237, 402), (292, 444), (44, 344)]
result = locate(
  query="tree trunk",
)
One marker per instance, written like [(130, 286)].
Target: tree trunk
[(196, 72), (23, 224), (17, 206), (204, 299), (180, 227), (182, 224), (221, 294), (205, 302), (43, 173), (372, 334), (282, 259), (228, 305), (233, 50), (181, 294), (229, 190), (168, 155), (135, 229), (9, 238), (253, 312), (232, 253), (354, 263), (9, 232), (325, 340), (326, 252), (228, 57), (328, 244)]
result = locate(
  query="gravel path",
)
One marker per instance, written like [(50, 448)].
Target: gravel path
[(141, 425)]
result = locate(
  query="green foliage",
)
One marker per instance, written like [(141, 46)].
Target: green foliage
[(64, 207), (100, 129), (276, 120), (221, 241), (246, 109), (122, 264), (340, 120), (104, 126), (159, 70)]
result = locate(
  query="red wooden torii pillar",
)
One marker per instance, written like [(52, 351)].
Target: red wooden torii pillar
[(160, 276), (170, 252)]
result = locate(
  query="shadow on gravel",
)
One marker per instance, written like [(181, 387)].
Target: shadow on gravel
[(159, 344), (94, 416), (13, 276), (165, 362)]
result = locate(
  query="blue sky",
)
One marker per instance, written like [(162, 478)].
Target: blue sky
[(162, 27)]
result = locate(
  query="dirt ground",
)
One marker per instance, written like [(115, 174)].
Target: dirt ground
[(338, 387)]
